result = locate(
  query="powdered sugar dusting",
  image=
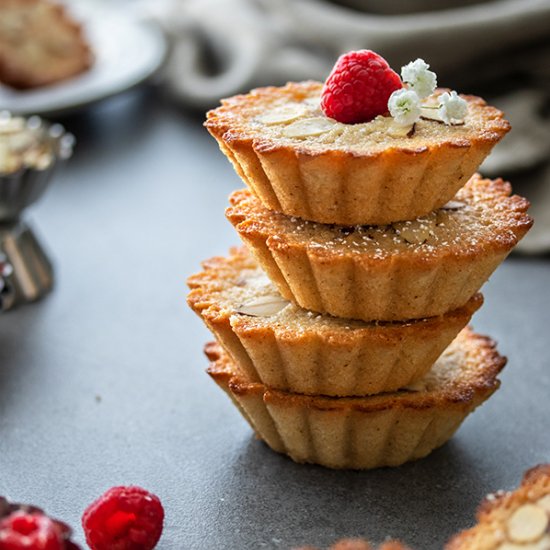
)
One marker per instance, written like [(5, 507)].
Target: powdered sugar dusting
[(481, 213)]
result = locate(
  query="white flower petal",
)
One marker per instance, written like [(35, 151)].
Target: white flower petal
[(404, 106), (419, 78), (452, 108)]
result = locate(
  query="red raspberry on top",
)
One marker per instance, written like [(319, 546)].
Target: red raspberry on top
[(358, 88), (124, 518)]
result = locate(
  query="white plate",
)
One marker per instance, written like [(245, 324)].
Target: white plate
[(127, 51)]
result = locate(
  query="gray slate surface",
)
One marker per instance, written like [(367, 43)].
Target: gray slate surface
[(103, 382)]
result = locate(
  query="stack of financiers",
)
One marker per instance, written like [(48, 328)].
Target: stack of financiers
[(341, 326)]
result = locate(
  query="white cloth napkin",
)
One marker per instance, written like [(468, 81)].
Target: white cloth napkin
[(223, 47)]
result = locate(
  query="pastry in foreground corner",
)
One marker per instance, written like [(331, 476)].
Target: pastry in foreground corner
[(515, 520), (288, 348), (360, 544), (364, 148), (387, 429), (40, 44), (405, 270)]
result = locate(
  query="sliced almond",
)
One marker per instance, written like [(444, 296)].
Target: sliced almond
[(544, 503), (433, 114), (419, 385), (400, 130), (541, 544), (527, 524), (453, 205), (288, 113), (308, 127), (428, 113), (263, 306), (313, 102), (414, 233)]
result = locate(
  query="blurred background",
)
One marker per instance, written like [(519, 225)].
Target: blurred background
[(194, 52)]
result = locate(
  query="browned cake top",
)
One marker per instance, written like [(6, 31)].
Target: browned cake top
[(513, 520), (290, 116), (237, 288), (482, 217), (466, 370)]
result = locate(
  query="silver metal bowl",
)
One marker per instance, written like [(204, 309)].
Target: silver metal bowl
[(30, 153), (40, 153)]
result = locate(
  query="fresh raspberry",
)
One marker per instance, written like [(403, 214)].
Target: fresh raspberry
[(124, 518), (358, 88), (30, 531), (27, 527)]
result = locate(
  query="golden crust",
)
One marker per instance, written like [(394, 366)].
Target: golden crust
[(475, 374), (293, 350), (40, 44), (491, 531), (352, 174), (368, 432), (380, 272)]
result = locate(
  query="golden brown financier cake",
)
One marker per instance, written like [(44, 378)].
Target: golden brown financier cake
[(515, 520), (288, 348), (405, 270), (40, 44), (387, 429), (302, 163)]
